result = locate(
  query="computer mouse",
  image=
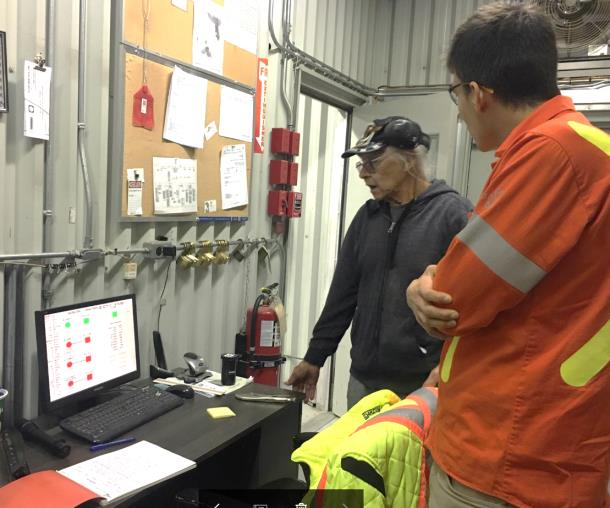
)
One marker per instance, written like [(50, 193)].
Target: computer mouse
[(184, 391)]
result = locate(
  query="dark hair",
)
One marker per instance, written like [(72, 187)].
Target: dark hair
[(510, 49)]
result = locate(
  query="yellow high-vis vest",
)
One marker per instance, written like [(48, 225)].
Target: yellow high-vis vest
[(377, 446)]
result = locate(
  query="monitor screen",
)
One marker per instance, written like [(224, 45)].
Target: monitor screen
[(85, 348)]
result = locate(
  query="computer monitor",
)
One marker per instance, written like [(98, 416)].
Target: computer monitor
[(86, 348)]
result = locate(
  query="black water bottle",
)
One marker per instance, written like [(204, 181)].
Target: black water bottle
[(229, 367)]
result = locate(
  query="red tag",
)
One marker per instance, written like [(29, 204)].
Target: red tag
[(143, 115)]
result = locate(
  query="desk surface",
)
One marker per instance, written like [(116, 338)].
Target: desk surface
[(188, 430)]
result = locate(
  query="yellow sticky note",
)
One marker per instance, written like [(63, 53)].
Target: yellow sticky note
[(220, 412)]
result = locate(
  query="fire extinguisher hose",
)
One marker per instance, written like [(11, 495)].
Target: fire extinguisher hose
[(257, 303)]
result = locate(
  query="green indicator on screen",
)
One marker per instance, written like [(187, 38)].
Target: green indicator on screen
[(86, 320), (68, 324), (115, 313)]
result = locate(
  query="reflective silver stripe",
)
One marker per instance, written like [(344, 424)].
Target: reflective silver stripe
[(427, 396), (499, 256), (411, 413)]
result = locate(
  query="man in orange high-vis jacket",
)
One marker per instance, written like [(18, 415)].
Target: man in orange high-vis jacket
[(522, 295)]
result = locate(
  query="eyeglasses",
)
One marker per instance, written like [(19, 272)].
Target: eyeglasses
[(453, 95), (369, 165)]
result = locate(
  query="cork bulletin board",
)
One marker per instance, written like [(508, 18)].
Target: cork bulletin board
[(169, 35)]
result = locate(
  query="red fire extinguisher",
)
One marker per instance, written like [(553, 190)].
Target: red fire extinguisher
[(261, 355)]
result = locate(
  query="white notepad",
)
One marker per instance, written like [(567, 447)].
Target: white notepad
[(122, 473)]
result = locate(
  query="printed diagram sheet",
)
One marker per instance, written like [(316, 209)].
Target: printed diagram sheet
[(233, 177), (186, 105), (175, 185), (208, 36)]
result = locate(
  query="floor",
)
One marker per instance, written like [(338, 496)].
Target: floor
[(314, 420)]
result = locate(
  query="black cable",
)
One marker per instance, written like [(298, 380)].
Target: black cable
[(260, 298), (162, 293)]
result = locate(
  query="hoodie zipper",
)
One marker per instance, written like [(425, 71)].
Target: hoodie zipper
[(389, 254)]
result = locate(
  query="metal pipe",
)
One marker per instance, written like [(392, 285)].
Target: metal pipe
[(82, 60), (117, 252), (13, 344), (283, 64), (49, 168), (296, 93)]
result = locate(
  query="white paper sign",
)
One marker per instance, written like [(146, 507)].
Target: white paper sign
[(235, 114), (208, 36), (242, 23), (185, 114), (175, 185), (233, 177), (36, 100), (135, 184)]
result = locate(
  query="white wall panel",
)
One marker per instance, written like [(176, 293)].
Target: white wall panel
[(314, 238)]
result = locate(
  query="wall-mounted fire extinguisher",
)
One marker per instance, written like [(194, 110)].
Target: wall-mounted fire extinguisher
[(260, 349)]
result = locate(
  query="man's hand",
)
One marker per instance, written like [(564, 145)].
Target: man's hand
[(304, 378), (433, 378), (423, 301)]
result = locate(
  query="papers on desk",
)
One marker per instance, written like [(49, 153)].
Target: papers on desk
[(209, 386), (122, 473), (110, 477)]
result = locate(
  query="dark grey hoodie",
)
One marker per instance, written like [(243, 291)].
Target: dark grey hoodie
[(378, 259)]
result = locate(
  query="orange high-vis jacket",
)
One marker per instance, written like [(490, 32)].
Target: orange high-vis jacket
[(524, 399)]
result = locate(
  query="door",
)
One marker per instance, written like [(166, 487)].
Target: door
[(313, 239), (437, 116)]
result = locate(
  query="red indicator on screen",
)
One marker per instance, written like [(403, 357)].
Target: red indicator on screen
[(69, 364), (89, 377), (70, 383), (68, 344), (87, 340), (88, 358)]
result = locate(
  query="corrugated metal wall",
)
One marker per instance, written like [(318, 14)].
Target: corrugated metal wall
[(352, 36), (421, 34)]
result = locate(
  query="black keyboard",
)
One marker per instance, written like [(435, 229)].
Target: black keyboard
[(115, 417)]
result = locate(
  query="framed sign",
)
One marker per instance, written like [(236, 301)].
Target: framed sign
[(3, 74)]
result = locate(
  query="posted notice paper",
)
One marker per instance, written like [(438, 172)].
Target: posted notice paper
[(185, 113), (135, 183), (233, 177), (175, 185), (241, 27), (37, 101), (236, 114), (208, 36)]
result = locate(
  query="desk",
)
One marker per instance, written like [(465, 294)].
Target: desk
[(244, 451)]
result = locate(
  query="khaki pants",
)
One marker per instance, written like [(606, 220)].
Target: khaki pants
[(445, 492)]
